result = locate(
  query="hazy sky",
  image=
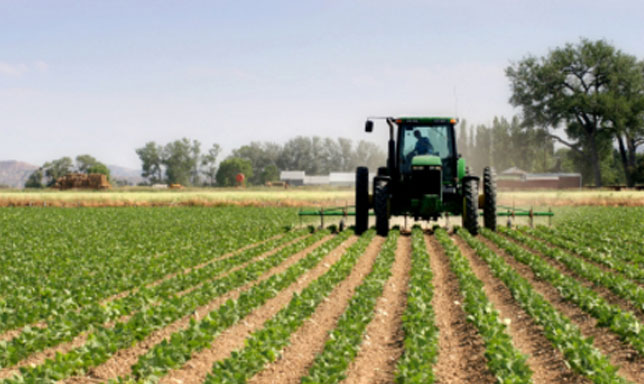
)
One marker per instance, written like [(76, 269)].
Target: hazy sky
[(104, 77)]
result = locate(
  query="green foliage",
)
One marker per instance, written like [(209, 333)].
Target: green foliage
[(35, 179), (229, 168), (209, 164), (578, 350), (56, 169), (583, 88), (151, 156), (421, 333), (503, 359)]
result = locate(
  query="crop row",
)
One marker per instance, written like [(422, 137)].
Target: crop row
[(345, 340), (421, 333), (578, 350), (607, 259), (503, 359), (59, 260), (264, 345), (623, 323), (618, 284), (103, 342), (65, 326)]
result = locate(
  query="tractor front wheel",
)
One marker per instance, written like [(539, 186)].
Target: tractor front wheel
[(362, 200), (489, 196), (381, 207), (470, 206)]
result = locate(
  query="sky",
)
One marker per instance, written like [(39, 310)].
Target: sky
[(105, 77)]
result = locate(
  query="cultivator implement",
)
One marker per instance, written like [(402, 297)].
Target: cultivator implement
[(350, 210)]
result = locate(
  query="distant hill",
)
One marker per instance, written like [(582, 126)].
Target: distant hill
[(15, 173), (133, 176)]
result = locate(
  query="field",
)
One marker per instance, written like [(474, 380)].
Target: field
[(242, 294)]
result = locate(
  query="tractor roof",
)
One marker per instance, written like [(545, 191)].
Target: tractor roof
[(425, 120)]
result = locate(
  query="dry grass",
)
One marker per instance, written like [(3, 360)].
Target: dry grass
[(293, 197)]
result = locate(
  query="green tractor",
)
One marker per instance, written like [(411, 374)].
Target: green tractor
[(425, 177)]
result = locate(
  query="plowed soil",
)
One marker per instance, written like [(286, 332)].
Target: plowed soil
[(383, 342), (309, 340), (460, 357)]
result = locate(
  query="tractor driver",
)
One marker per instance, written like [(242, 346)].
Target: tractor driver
[(423, 145)]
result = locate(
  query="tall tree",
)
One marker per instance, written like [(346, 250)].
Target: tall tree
[(627, 112), (88, 164), (151, 162), (209, 164), (58, 168), (181, 160), (569, 87), (35, 179)]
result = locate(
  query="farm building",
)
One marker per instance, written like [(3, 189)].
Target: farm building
[(515, 178), (338, 179)]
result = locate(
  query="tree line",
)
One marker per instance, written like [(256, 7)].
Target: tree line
[(47, 174), (182, 161)]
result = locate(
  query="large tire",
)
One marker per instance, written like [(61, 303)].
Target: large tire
[(362, 200), (470, 206), (381, 208), (489, 196)]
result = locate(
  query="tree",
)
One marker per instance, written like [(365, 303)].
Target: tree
[(209, 164), (181, 159), (571, 86), (270, 173), (260, 155), (57, 169), (88, 164), (35, 179), (152, 162), (229, 168), (627, 113)]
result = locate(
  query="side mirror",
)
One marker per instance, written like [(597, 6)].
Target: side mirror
[(368, 127)]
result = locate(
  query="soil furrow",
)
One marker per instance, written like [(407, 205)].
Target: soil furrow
[(461, 350), (382, 345), (40, 357), (631, 365), (198, 367), (120, 363), (546, 362), (603, 291)]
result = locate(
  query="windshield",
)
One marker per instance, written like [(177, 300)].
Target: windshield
[(425, 140)]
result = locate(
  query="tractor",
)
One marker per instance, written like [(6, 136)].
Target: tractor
[(424, 178)]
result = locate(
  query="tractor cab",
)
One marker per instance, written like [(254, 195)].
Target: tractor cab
[(424, 177)]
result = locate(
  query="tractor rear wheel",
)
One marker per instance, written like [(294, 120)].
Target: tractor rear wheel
[(470, 206), (489, 196), (362, 200), (381, 207)]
